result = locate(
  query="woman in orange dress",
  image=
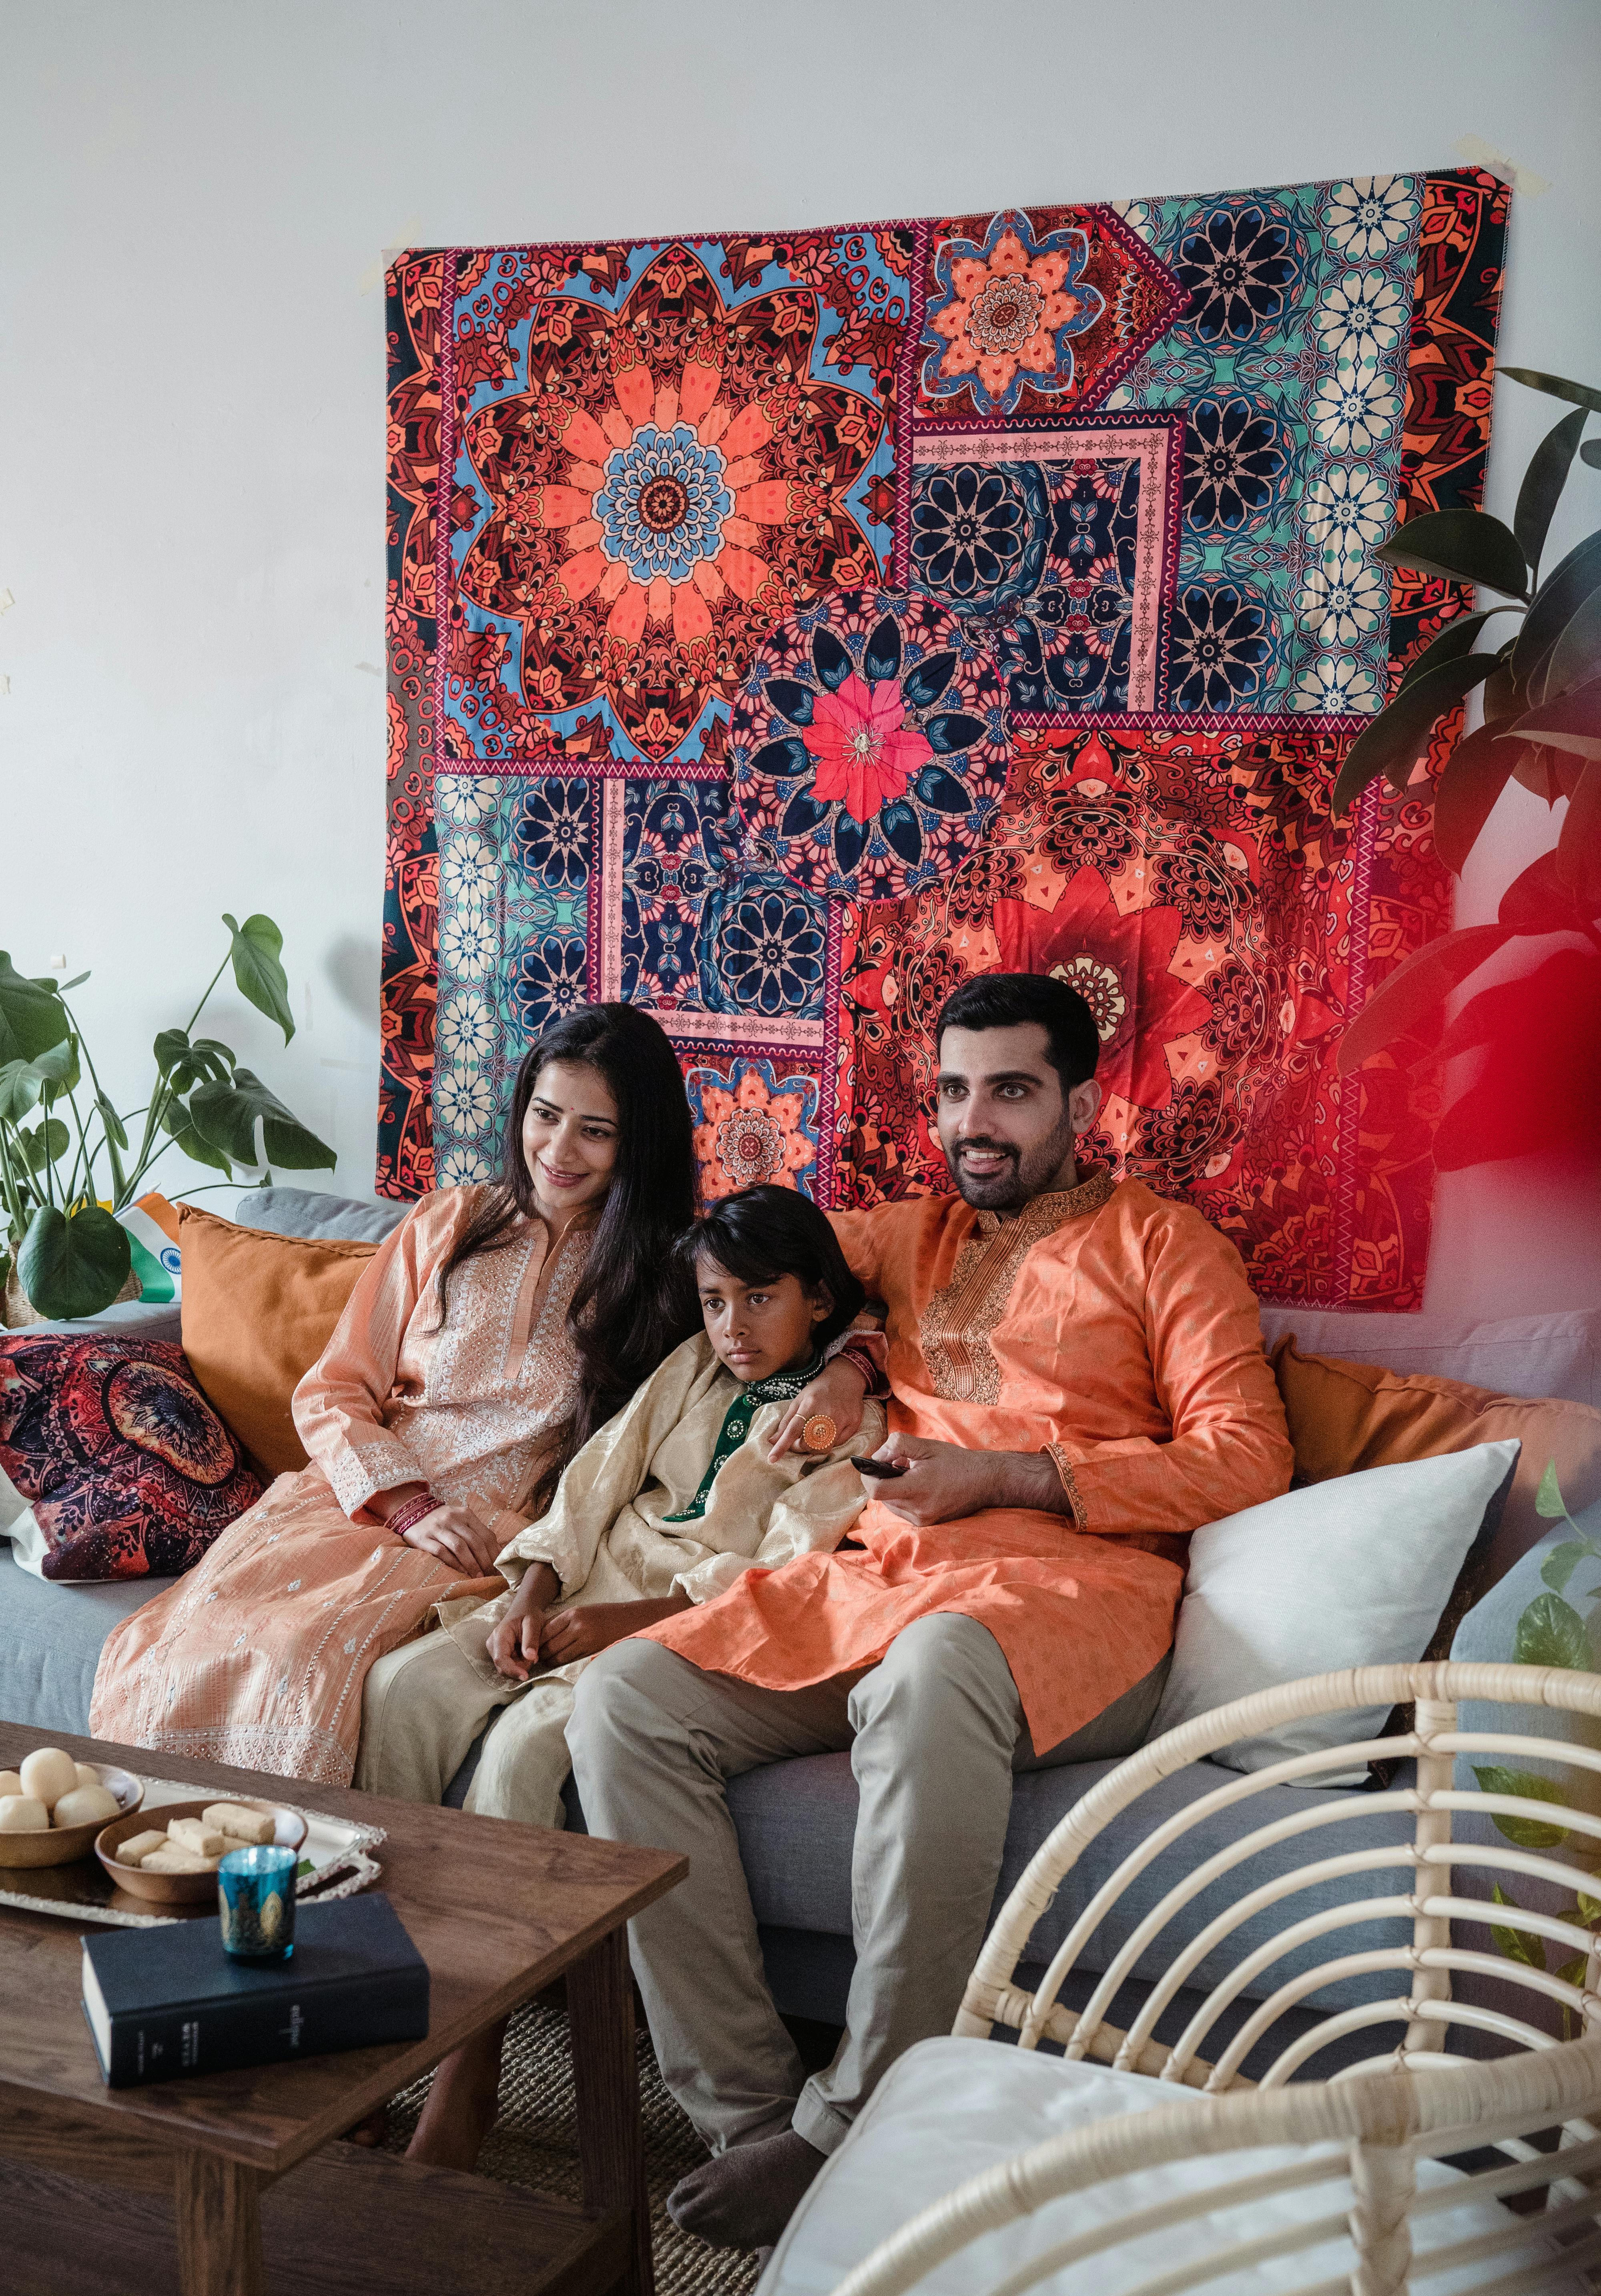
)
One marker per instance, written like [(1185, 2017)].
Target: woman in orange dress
[(487, 1339)]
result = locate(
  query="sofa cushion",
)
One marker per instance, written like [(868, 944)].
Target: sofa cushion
[(1346, 1416), (1550, 1355), (307, 1212), (259, 1309), (128, 1469)]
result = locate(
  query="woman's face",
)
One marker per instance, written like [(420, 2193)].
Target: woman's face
[(570, 1136), (759, 1329)]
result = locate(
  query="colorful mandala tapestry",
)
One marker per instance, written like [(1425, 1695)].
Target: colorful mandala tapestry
[(783, 628)]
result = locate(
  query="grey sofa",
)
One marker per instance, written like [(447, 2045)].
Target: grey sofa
[(796, 1819)]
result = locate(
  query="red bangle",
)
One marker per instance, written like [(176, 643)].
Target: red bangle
[(407, 1516), (860, 1360)]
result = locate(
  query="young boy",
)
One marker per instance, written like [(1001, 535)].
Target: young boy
[(665, 1507)]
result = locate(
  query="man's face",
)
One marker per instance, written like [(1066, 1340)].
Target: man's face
[(1006, 1132)]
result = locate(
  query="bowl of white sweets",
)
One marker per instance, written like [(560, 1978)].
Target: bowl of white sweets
[(51, 1808)]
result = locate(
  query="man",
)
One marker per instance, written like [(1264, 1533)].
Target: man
[(1078, 1382)]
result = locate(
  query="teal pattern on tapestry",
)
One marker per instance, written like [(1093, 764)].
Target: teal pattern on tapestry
[(1292, 364), (783, 1387)]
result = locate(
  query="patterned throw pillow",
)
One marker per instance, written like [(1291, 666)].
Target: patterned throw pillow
[(130, 1471)]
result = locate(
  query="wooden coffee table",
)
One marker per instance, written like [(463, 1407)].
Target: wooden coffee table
[(97, 2185)]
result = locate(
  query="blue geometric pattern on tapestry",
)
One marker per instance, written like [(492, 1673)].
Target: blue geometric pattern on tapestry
[(1291, 362)]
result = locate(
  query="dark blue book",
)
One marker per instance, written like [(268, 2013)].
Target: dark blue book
[(169, 2001)]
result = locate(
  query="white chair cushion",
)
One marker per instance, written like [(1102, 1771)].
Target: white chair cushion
[(952, 2108)]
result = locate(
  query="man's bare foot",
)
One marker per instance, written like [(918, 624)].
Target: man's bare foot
[(744, 2197), (372, 2131), (461, 2106)]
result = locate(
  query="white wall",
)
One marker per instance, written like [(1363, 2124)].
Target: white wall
[(193, 196)]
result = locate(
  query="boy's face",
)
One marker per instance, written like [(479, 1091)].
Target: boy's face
[(759, 1329)]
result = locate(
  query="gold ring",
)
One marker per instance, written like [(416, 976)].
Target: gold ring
[(819, 1433)]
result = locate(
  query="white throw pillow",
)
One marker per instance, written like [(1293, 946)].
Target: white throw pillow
[(12, 1505), (1354, 1572)]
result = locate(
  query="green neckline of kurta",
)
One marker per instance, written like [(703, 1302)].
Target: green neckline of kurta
[(782, 1387)]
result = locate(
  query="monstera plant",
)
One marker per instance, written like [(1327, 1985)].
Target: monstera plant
[(62, 1182), (1540, 1083)]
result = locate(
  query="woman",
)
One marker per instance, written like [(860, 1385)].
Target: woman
[(487, 1339)]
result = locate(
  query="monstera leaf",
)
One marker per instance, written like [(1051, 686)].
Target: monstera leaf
[(73, 1263), (226, 1115), (32, 1017), (257, 946)]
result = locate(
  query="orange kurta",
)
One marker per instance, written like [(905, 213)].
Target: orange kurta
[(1102, 1323), (259, 1654)]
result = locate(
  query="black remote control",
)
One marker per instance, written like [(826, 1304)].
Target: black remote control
[(881, 1468)]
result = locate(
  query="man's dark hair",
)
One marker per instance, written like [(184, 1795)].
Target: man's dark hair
[(764, 1233), (1010, 1000)]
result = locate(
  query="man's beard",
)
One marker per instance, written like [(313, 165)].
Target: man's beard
[(1025, 1174)]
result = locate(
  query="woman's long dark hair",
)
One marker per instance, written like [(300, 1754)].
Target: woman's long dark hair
[(634, 1301)]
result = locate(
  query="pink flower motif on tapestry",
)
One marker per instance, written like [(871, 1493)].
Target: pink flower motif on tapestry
[(866, 753), (1118, 961)]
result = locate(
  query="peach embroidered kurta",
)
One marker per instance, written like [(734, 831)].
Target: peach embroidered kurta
[(258, 1656), (1102, 1323)]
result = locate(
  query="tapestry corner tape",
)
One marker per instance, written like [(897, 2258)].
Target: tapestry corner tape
[(1524, 181)]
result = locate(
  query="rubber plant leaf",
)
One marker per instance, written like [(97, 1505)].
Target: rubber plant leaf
[(1561, 594), (1576, 656), (1543, 482), (1395, 739), (226, 1114), (1549, 1500), (1455, 640), (1570, 721), (1579, 843), (32, 1019), (1476, 772), (1414, 990), (1555, 386), (1590, 453), (1538, 901), (258, 945), (73, 1263), (1464, 546)]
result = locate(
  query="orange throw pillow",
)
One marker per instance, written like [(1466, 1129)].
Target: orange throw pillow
[(259, 1309), (1344, 1416)]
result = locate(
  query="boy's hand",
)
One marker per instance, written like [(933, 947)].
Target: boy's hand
[(513, 1643), (580, 1633), (839, 1392)]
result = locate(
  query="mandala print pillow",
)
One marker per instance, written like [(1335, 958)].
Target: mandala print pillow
[(130, 1472)]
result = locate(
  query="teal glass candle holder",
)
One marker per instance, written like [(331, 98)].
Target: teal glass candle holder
[(256, 1903)]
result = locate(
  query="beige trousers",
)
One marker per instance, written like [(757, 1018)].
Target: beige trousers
[(426, 1702)]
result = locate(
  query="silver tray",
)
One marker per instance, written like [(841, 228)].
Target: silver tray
[(336, 1861)]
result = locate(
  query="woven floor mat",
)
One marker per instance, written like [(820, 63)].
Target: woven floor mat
[(534, 2144)]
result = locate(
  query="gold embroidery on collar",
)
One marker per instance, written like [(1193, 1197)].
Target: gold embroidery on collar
[(955, 1324)]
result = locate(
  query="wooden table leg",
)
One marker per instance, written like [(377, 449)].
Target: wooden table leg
[(599, 2005), (218, 2225)]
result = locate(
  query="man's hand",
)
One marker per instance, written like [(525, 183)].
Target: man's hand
[(944, 1482), (455, 1535), (513, 1643), (840, 1390), (580, 1633)]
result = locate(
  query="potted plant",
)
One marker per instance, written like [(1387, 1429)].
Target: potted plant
[(1542, 728), (62, 1183)]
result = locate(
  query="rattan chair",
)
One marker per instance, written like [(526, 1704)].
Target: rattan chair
[(1378, 2113)]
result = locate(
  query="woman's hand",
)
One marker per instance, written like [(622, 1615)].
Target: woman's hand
[(455, 1535), (574, 1633), (839, 1391), (513, 1643)]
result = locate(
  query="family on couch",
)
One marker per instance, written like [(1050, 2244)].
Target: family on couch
[(1074, 1381)]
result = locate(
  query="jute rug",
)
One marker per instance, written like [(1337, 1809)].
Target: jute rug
[(534, 2144)]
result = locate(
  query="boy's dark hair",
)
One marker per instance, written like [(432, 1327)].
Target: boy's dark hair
[(764, 1233), (1009, 1000)]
